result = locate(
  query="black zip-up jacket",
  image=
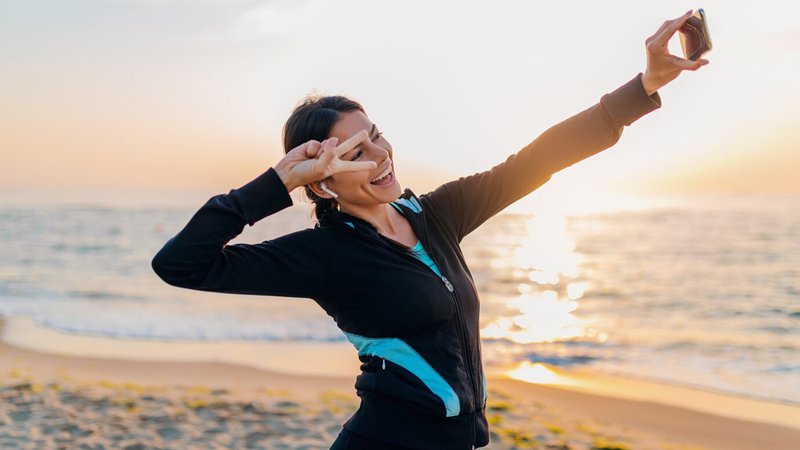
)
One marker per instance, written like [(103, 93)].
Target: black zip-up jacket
[(421, 383)]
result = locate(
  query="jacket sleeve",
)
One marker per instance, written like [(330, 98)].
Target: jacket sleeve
[(471, 200), (293, 265)]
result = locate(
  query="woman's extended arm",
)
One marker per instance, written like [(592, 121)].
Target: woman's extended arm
[(467, 202), (294, 265), (470, 201)]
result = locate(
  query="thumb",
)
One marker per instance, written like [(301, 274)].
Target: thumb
[(688, 64)]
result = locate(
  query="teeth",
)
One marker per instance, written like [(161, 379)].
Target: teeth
[(385, 172)]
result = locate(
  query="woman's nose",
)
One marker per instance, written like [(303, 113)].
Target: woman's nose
[(380, 153)]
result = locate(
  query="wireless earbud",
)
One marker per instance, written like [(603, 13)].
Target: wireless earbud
[(325, 188)]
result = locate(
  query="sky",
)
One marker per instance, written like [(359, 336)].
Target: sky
[(169, 96)]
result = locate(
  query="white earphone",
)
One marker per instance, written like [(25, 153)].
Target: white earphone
[(325, 188)]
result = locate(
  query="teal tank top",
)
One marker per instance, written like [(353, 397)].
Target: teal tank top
[(419, 251), (422, 255)]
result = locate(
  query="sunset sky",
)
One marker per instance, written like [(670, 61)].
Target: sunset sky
[(190, 95)]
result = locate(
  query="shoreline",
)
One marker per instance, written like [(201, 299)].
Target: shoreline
[(557, 410)]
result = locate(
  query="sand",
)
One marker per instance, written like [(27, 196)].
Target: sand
[(55, 401)]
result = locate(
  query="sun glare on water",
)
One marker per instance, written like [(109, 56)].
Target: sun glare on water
[(547, 260)]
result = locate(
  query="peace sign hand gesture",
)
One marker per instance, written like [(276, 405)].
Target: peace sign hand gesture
[(663, 67), (314, 161)]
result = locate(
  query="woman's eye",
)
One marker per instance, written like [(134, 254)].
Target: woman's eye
[(358, 154)]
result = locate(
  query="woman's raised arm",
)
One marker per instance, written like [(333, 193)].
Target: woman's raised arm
[(469, 201), (294, 265)]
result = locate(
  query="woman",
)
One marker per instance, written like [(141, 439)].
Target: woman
[(386, 264)]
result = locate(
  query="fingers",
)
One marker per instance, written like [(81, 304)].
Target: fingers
[(312, 149), (687, 64), (308, 149), (351, 142), (660, 29), (355, 166), (327, 150), (329, 154), (328, 145), (668, 28)]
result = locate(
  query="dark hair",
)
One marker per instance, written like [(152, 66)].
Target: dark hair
[(313, 119)]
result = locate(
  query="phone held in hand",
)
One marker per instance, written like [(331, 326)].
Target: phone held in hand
[(695, 39)]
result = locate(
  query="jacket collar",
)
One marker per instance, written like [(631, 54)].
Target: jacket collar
[(408, 202)]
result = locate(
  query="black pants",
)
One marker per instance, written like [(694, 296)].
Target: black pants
[(351, 441)]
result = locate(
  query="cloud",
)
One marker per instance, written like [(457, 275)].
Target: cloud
[(274, 18)]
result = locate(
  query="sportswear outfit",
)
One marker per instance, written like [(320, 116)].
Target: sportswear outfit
[(414, 322)]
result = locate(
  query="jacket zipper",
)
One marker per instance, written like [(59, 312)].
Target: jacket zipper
[(461, 326), (462, 334), (461, 323)]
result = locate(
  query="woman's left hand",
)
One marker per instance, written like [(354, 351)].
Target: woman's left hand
[(663, 67)]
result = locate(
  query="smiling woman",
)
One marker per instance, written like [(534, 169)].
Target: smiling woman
[(387, 264), (319, 118)]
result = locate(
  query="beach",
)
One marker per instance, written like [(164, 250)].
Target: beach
[(610, 272), (66, 401)]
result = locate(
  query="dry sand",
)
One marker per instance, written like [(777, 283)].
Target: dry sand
[(52, 401)]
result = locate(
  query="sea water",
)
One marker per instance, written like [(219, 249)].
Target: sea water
[(701, 291)]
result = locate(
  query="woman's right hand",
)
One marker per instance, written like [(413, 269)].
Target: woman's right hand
[(662, 66), (314, 161)]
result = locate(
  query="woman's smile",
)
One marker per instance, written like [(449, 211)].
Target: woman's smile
[(386, 178)]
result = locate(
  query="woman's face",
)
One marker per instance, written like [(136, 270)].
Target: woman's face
[(354, 188)]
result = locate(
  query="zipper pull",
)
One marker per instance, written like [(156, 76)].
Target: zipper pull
[(447, 283), (383, 364)]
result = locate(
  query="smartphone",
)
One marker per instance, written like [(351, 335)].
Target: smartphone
[(695, 39)]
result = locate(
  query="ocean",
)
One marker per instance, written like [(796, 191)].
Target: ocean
[(702, 291)]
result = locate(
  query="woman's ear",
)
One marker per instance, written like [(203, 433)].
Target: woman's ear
[(322, 190), (325, 188)]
